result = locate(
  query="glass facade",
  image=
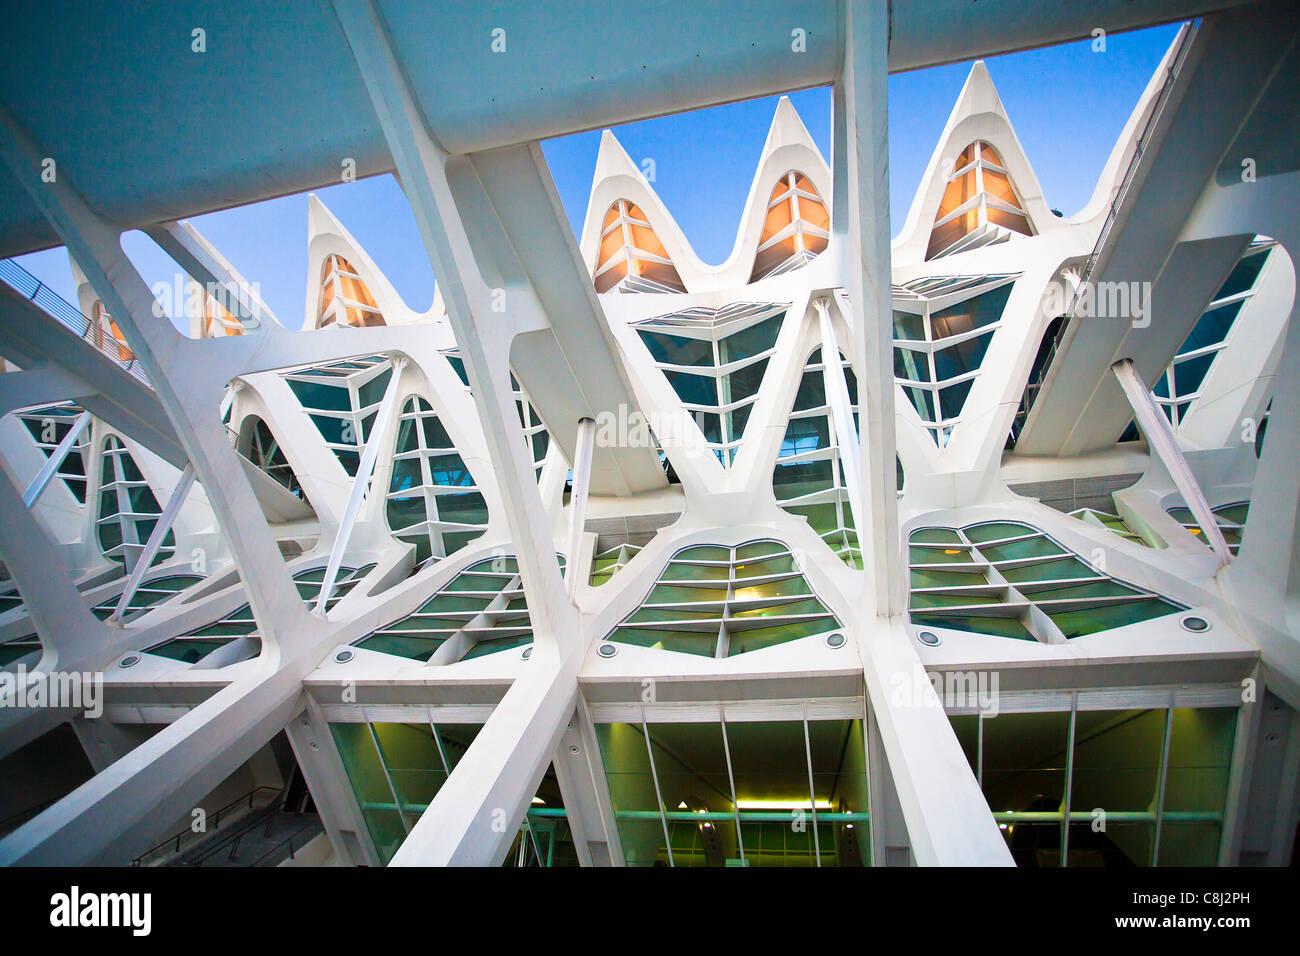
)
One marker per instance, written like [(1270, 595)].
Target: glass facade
[(239, 624), (149, 593), (128, 509), (262, 448), (940, 344), (345, 299), (482, 610), (1178, 388), (342, 399), (715, 360), (1114, 788), (48, 427), (397, 769), (605, 564), (1008, 579), (808, 478), (1113, 522), (536, 438), (716, 601), (1230, 517), (979, 205), (433, 500), (739, 793), (631, 258)]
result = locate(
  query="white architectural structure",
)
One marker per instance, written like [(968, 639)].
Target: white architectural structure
[(613, 557)]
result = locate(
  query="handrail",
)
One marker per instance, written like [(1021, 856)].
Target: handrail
[(175, 840), (242, 830), (233, 437), (88, 329), (1032, 389), (316, 829)]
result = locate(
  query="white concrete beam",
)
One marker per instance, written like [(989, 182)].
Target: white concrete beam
[(208, 267), (474, 817), (1160, 436), (860, 232), (94, 245), (586, 443), (948, 820)]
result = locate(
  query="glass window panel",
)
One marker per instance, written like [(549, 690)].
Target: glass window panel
[(1243, 276), (1117, 755), (752, 341), (1092, 620), (676, 349), (632, 790), (911, 365), (366, 774), (1200, 755), (1025, 760), (1033, 845), (909, 325), (413, 762), (974, 313), (960, 358)]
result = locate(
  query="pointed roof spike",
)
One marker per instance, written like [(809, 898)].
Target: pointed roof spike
[(613, 158), (320, 219)]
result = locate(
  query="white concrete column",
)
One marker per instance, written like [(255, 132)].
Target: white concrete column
[(209, 268), (948, 820), (860, 235), (578, 498), (476, 813), (474, 817), (581, 775), (178, 374), (1160, 435), (483, 334)]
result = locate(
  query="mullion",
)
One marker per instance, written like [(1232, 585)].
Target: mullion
[(812, 797), (659, 797), (731, 779)]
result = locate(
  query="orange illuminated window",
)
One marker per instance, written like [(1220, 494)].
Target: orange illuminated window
[(630, 250), (345, 299), (217, 321), (979, 201), (103, 333), (796, 230)]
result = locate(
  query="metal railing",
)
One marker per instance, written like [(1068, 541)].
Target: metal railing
[(173, 845), (313, 829), (87, 329), (1034, 388), (293, 487)]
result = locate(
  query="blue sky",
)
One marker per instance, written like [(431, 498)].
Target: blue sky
[(1067, 104)]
